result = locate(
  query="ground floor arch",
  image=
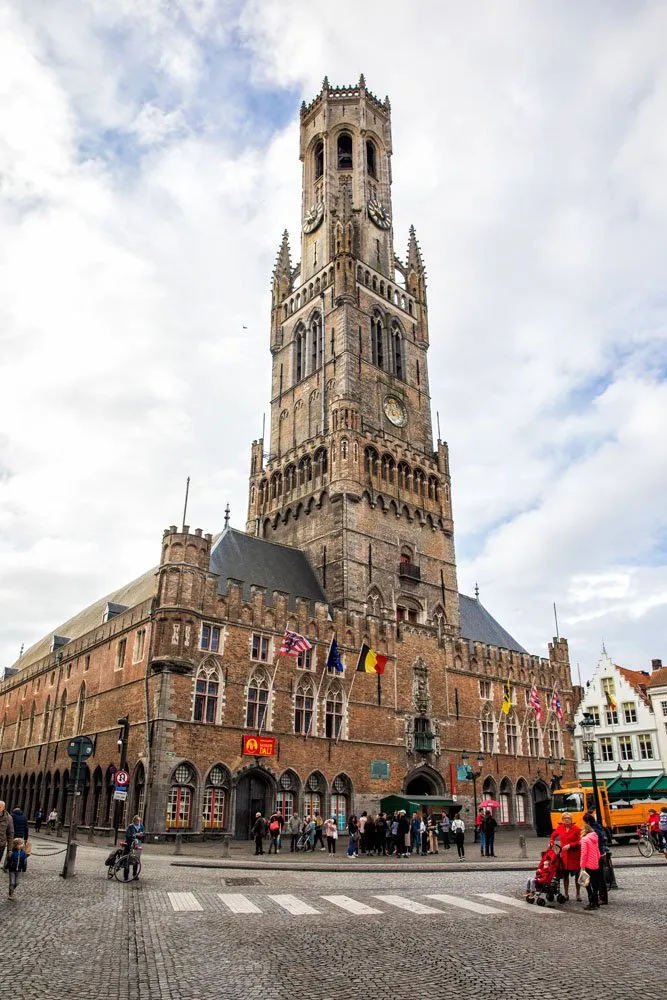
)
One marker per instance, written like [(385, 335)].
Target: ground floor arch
[(541, 808), (255, 793), (424, 781)]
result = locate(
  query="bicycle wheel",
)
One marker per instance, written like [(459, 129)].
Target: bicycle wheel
[(121, 869), (645, 847)]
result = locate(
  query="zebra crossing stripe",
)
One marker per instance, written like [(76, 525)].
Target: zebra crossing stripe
[(467, 904), (182, 901), (351, 905), (520, 903), (293, 905), (408, 904), (238, 903)]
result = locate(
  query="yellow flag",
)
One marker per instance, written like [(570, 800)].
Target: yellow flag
[(507, 698)]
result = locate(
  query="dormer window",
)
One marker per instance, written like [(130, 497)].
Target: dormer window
[(319, 160), (371, 158), (344, 151)]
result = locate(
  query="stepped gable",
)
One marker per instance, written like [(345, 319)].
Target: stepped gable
[(477, 625), (638, 679), (657, 679), (261, 563), (141, 589)]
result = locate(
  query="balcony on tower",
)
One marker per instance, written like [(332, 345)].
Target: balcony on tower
[(408, 571), (424, 737)]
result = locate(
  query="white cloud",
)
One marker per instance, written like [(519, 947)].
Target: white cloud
[(142, 198)]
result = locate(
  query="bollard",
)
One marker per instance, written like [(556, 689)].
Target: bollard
[(523, 853), (59, 831), (225, 846), (178, 843), (91, 834)]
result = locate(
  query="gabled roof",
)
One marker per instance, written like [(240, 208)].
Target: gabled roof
[(477, 625), (658, 678), (637, 679), (256, 561)]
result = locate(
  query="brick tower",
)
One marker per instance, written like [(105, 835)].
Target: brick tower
[(352, 476)]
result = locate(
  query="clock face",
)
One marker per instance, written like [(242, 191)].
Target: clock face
[(395, 411), (313, 217), (378, 214)]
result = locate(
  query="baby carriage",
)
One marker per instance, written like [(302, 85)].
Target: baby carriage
[(545, 885)]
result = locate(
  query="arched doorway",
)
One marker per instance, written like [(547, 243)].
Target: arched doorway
[(424, 781), (541, 809), (254, 793)]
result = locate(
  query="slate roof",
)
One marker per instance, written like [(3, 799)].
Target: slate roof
[(265, 564), (477, 625)]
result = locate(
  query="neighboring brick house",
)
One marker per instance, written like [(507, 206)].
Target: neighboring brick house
[(349, 533)]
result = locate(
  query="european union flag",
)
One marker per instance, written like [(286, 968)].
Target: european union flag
[(333, 657)]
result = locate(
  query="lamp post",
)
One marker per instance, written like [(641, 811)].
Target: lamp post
[(625, 777), (556, 779), (588, 741), (473, 776)]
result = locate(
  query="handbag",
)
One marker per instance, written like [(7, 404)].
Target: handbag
[(584, 878)]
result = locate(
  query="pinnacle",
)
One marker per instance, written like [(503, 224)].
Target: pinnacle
[(283, 263), (414, 253), (325, 83), (362, 80)]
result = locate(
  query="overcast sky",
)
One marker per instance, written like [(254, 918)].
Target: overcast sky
[(148, 166)]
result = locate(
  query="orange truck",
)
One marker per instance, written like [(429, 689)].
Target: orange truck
[(621, 818)]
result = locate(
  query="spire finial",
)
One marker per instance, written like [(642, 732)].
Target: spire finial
[(22, 648), (604, 648), (227, 513), (325, 83), (476, 591), (362, 81)]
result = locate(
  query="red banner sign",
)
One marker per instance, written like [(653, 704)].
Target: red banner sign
[(259, 746)]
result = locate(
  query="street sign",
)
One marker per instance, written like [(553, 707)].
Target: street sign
[(257, 746), (80, 747), (120, 794), (122, 778)]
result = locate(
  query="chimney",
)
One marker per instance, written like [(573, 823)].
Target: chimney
[(656, 665)]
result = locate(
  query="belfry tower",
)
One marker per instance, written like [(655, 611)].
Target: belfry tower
[(351, 475)]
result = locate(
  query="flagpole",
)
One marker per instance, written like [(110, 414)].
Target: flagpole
[(317, 699), (270, 697), (349, 695)]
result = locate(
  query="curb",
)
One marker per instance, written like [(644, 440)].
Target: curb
[(516, 866)]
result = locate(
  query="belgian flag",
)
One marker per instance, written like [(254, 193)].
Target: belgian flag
[(370, 662)]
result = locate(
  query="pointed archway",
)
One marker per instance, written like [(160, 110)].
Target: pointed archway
[(424, 781)]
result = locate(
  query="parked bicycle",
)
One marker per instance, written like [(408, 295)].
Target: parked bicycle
[(124, 865)]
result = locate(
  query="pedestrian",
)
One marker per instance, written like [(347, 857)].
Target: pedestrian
[(353, 833), (479, 829), (134, 835), (369, 835), (459, 829), (319, 824), (432, 835), (16, 862), (653, 822), (445, 826), (392, 834), (39, 819), (258, 831), (53, 819), (403, 835), (415, 833), (274, 833), (662, 826), (331, 833), (6, 831), (605, 858), (294, 829), (381, 834), (590, 865), (569, 835), (424, 834), (309, 833), (489, 827), (362, 828)]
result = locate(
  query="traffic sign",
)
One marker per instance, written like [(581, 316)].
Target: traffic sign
[(120, 794), (80, 747), (122, 778)]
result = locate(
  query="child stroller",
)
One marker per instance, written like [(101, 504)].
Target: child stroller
[(545, 885)]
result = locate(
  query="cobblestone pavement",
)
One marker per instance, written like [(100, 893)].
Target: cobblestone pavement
[(189, 933)]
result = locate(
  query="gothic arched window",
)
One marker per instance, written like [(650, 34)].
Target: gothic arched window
[(305, 470), (534, 739), (344, 151), (418, 482), (303, 707), (80, 710), (316, 343), (488, 731), (403, 475), (208, 685), (31, 724), (47, 716), (333, 711), (377, 343), (257, 700), (555, 742), (397, 352), (387, 469), (299, 354), (371, 458), (63, 713), (512, 735), (371, 158), (318, 157)]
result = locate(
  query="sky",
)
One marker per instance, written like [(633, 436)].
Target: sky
[(148, 167)]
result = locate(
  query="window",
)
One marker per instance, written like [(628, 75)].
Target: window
[(344, 151), (285, 804), (31, 724), (207, 694), (505, 807), (179, 806), (488, 733), (608, 687), (315, 343), (595, 713), (512, 735), (340, 810), (606, 748), (534, 740), (520, 806), (645, 746), (260, 648), (625, 747), (86, 663), (371, 158), (611, 716), (139, 643), (210, 638), (215, 808), (318, 157), (333, 712), (629, 712), (304, 661), (299, 354), (303, 708), (663, 706), (377, 342), (397, 352), (80, 710), (68, 674), (485, 690), (555, 742), (120, 654), (258, 699), (63, 713), (47, 716)]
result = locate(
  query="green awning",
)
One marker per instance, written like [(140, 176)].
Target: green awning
[(659, 787), (415, 803), (644, 785)]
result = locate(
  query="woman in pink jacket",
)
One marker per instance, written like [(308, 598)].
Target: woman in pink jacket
[(590, 862)]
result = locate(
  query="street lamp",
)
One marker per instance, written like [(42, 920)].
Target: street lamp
[(625, 777), (556, 778), (588, 741), (473, 776)]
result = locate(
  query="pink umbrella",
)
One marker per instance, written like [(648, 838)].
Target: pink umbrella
[(489, 804)]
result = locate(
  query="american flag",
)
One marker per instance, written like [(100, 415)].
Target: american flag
[(293, 644), (535, 702), (556, 705)]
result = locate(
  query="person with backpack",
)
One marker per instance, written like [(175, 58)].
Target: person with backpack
[(459, 829), (258, 831), (274, 834), (381, 834)]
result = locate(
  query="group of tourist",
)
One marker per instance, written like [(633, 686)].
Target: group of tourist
[(585, 857)]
